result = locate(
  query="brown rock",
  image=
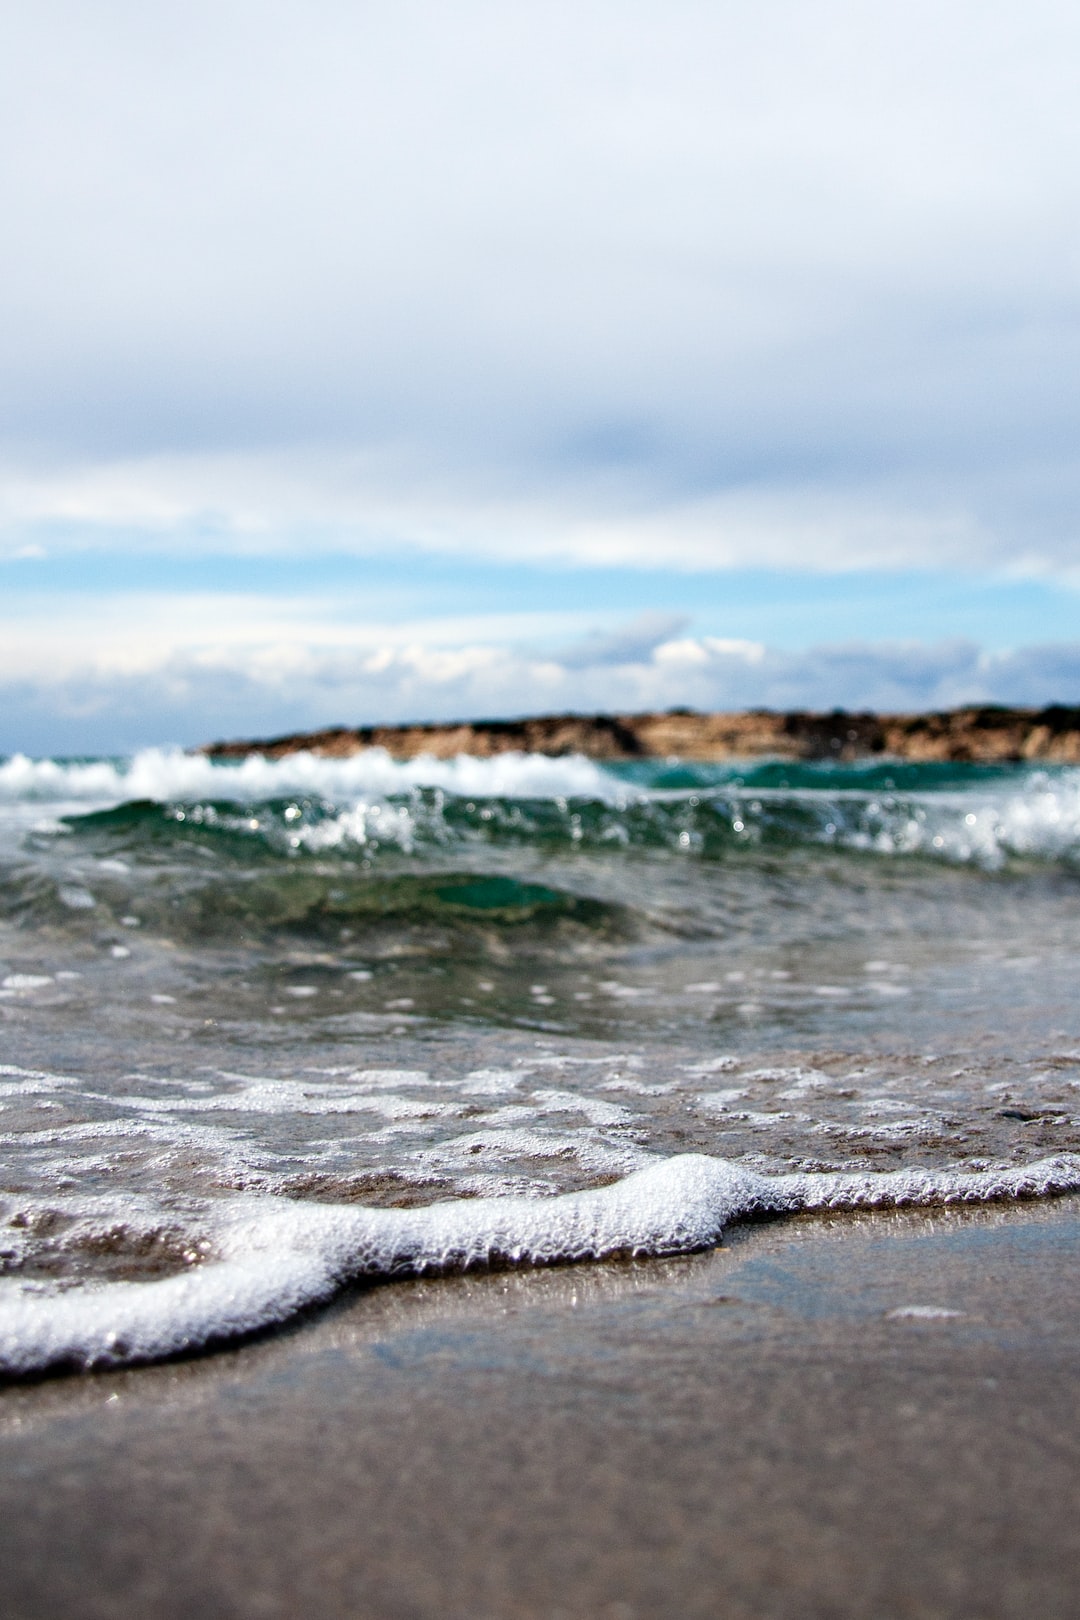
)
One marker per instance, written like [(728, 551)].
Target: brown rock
[(985, 735)]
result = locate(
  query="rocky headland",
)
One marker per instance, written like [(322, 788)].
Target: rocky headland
[(985, 734)]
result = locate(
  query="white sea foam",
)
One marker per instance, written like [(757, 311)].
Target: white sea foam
[(171, 776), (1039, 817), (272, 1257)]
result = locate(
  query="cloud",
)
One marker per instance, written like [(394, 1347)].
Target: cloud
[(256, 505), (629, 644), (780, 285), (45, 636)]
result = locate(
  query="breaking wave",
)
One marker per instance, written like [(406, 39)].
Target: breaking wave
[(303, 805), (171, 776)]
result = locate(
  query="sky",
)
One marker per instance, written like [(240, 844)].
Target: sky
[(366, 363)]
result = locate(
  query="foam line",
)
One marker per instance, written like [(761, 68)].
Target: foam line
[(165, 775), (276, 1256)]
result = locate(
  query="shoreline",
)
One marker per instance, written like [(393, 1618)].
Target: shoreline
[(822, 1419), (976, 734)]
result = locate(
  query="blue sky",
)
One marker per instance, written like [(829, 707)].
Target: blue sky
[(367, 363)]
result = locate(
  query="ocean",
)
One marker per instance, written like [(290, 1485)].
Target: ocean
[(273, 1027)]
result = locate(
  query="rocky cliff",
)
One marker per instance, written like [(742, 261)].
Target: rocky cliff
[(985, 734)]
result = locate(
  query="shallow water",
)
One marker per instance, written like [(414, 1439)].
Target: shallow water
[(356, 982)]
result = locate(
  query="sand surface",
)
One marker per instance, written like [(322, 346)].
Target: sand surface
[(754, 1432)]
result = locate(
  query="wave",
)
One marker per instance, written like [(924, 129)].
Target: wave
[(272, 1258), (305, 805), (171, 776), (464, 906)]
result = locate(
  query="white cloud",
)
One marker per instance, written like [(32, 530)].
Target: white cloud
[(56, 636), (271, 503)]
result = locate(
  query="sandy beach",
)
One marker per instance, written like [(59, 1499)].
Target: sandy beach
[(826, 1417)]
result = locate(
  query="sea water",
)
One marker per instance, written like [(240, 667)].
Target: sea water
[(269, 1026)]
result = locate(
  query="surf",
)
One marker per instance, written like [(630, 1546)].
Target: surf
[(273, 1258)]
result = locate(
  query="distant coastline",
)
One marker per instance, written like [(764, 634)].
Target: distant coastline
[(983, 734)]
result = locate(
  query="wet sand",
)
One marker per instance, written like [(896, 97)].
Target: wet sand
[(763, 1431)]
